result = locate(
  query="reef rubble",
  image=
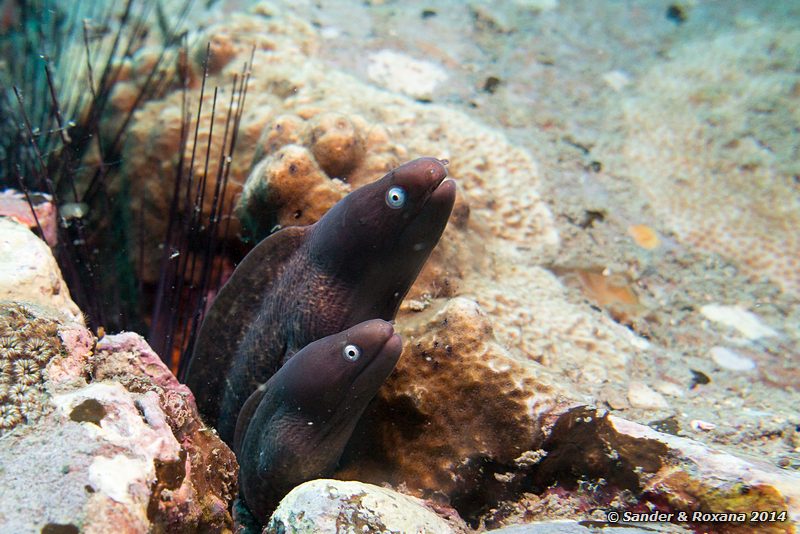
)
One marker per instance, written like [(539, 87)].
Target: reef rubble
[(97, 434)]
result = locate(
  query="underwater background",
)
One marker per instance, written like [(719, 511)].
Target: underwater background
[(610, 321)]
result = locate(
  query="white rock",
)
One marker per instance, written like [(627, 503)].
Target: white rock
[(669, 388), (617, 79), (640, 395), (728, 359), (327, 505), (699, 424), (745, 322), (29, 272), (399, 72)]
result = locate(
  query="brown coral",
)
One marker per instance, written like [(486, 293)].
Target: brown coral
[(497, 407), (287, 189), (27, 343), (336, 144)]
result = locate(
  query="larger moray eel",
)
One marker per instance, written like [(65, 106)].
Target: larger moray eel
[(294, 427), (304, 283)]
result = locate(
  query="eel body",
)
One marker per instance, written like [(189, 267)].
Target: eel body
[(294, 427), (302, 284)]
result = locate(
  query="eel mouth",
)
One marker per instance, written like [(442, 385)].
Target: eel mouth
[(374, 373)]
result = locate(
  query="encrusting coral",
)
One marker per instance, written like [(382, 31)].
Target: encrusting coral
[(708, 140), (27, 344)]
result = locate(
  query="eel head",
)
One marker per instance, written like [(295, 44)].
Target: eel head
[(295, 427), (378, 237)]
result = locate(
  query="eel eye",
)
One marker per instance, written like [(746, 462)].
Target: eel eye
[(396, 197), (351, 353)]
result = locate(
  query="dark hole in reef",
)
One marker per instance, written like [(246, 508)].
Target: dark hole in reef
[(483, 490), (171, 474), (89, 411), (677, 13), (383, 422), (58, 528), (590, 217), (699, 378), (491, 84), (669, 425), (582, 448)]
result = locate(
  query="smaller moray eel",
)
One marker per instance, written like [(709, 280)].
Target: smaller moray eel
[(294, 427), (304, 283)]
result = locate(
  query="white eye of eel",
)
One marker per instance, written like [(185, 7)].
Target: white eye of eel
[(396, 197), (351, 353)]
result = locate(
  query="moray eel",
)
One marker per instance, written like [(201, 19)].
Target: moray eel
[(304, 283), (294, 427)]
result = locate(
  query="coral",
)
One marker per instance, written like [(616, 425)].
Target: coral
[(27, 343), (399, 72), (112, 440), (498, 409), (711, 140), (337, 144), (287, 189)]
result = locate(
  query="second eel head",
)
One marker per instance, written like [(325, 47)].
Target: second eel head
[(294, 427), (380, 235)]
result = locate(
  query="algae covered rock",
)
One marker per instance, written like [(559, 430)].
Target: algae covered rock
[(337, 506), (98, 435), (105, 438)]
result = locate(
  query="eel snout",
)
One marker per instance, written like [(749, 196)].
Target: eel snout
[(420, 177)]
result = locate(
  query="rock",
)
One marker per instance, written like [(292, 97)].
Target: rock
[(730, 360), (642, 396), (108, 439), (14, 205), (743, 321), (338, 506), (665, 469), (28, 271), (585, 527)]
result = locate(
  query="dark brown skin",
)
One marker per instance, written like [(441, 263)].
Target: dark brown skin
[(295, 427), (302, 284)]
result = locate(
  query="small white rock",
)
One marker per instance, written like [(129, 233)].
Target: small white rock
[(727, 359), (640, 395), (747, 323), (669, 388), (617, 79), (700, 425)]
